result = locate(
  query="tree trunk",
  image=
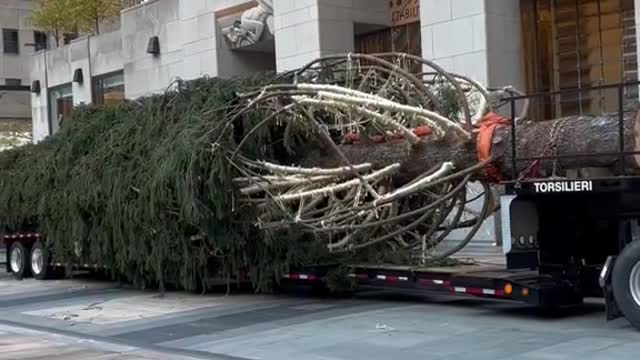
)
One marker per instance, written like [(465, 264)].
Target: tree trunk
[(577, 135)]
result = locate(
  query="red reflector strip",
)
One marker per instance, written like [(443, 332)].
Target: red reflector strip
[(477, 291), (459, 289), (430, 282), (392, 278), (300, 277)]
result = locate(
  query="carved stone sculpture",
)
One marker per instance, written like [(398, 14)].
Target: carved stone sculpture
[(252, 27)]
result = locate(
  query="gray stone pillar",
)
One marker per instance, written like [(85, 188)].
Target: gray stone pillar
[(477, 38), (39, 102), (306, 30)]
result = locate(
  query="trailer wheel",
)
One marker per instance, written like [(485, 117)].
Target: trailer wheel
[(18, 260), (39, 261), (626, 282)]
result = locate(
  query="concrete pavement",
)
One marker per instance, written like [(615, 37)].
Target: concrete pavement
[(18, 343), (97, 320)]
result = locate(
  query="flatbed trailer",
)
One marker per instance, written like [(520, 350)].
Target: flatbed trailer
[(560, 247), (564, 239)]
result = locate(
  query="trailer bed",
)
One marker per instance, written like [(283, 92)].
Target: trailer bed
[(464, 279), (463, 268)]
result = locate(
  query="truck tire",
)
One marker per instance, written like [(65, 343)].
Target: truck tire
[(39, 261), (626, 282), (18, 256)]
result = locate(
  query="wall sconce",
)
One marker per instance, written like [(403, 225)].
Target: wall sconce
[(78, 77), (35, 87), (154, 46)]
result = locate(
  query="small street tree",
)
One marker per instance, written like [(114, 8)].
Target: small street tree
[(56, 17), (91, 13)]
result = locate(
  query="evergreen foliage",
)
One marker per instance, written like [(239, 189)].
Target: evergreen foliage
[(145, 189)]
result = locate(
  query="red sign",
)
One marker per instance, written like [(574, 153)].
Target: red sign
[(404, 11)]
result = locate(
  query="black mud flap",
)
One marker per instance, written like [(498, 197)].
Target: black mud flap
[(611, 307)]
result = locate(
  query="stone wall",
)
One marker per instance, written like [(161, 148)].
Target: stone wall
[(307, 29), (454, 35), (191, 45), (477, 38)]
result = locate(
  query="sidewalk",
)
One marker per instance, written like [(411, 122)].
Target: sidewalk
[(20, 343)]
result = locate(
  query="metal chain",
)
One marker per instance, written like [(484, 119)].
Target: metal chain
[(552, 148), (556, 129)]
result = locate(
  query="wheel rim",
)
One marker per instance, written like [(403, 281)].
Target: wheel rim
[(37, 260), (17, 259), (634, 283)]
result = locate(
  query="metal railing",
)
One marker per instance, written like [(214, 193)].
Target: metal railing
[(620, 108)]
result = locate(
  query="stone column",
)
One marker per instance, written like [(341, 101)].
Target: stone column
[(39, 102), (79, 59), (307, 29), (477, 38)]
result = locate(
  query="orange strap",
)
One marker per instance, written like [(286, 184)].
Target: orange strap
[(486, 129)]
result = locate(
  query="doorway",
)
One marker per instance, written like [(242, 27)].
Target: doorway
[(404, 38)]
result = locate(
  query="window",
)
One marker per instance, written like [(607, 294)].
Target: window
[(572, 44), (13, 82), (108, 89), (40, 39), (60, 106), (10, 41)]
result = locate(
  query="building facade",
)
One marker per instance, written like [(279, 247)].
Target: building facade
[(534, 45), (18, 43)]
